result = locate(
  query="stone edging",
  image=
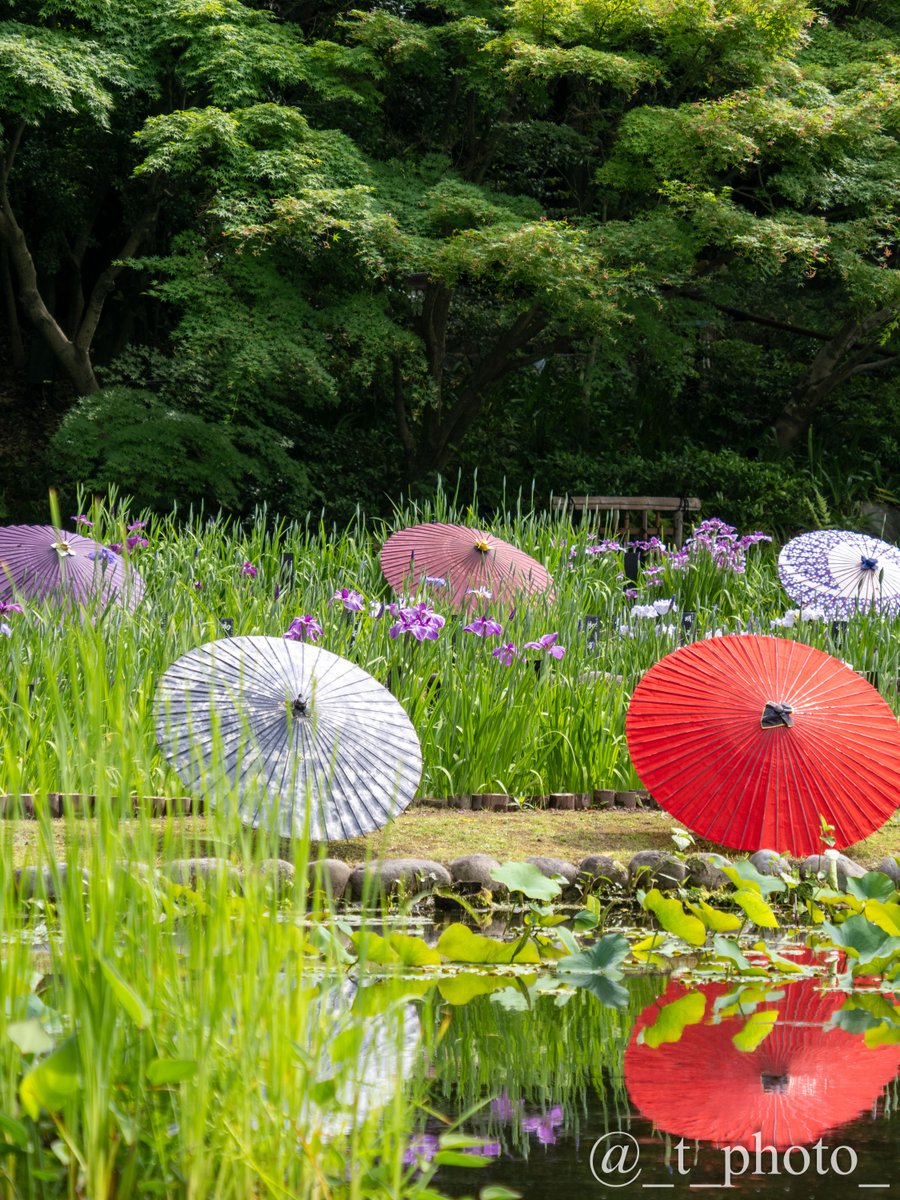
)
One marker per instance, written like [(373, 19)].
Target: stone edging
[(28, 805), (469, 877)]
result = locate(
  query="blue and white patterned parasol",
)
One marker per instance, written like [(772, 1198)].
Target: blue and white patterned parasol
[(842, 572)]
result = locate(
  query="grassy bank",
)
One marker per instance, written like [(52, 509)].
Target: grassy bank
[(436, 834)]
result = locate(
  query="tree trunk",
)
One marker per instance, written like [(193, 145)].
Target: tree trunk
[(839, 360), (72, 353)]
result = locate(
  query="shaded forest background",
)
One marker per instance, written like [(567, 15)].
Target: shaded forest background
[(310, 254)]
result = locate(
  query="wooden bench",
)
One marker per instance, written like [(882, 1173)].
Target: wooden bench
[(632, 513)]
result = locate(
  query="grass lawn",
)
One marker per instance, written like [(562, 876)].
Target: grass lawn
[(445, 834)]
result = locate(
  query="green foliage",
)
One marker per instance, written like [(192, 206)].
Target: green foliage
[(166, 456), (584, 241)]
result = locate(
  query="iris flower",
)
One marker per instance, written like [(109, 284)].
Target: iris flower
[(304, 629), (249, 570), (352, 601), (5, 630), (548, 643), (421, 621), (484, 627), (81, 519), (506, 653), (104, 554), (10, 608)]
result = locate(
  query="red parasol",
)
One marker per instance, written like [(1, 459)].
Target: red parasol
[(805, 1077), (40, 562), (747, 740), (461, 564)]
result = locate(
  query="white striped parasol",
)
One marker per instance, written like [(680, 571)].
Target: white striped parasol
[(303, 738), (40, 562)]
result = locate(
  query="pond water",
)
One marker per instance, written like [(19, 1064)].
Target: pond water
[(682, 1089)]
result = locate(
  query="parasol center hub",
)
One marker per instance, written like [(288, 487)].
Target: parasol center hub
[(868, 564), (63, 549), (482, 545), (775, 1084), (298, 707), (776, 714)]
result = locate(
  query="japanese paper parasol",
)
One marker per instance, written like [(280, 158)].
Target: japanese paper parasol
[(465, 561), (40, 562), (842, 572), (299, 736), (806, 1076), (749, 740)]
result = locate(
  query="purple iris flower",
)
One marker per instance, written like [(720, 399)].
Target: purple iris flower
[(198, 586), (249, 570), (548, 643), (81, 519), (648, 546), (376, 610), (10, 608), (5, 630), (116, 547), (304, 629), (484, 593), (484, 627), (506, 653), (632, 593), (352, 601), (422, 1148), (606, 546), (104, 554), (503, 1108), (545, 1125), (137, 525), (437, 581), (421, 621), (486, 1149), (136, 542)]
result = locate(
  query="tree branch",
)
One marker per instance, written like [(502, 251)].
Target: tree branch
[(107, 279), (400, 409)]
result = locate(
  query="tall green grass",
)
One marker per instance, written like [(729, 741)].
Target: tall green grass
[(157, 1039)]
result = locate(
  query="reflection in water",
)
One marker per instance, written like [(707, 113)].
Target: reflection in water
[(542, 1084), (721, 1064)]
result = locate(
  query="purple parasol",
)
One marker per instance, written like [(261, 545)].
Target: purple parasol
[(842, 572), (39, 562)]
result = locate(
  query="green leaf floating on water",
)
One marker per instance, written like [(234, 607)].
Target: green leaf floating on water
[(728, 948), (756, 1029), (398, 948), (459, 944), (597, 969), (672, 917), (53, 1081), (882, 1035), (527, 879), (672, 1019), (604, 956)]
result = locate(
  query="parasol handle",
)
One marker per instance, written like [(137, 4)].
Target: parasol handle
[(775, 714)]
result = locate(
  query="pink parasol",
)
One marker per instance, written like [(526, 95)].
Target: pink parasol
[(464, 565), (39, 562)]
